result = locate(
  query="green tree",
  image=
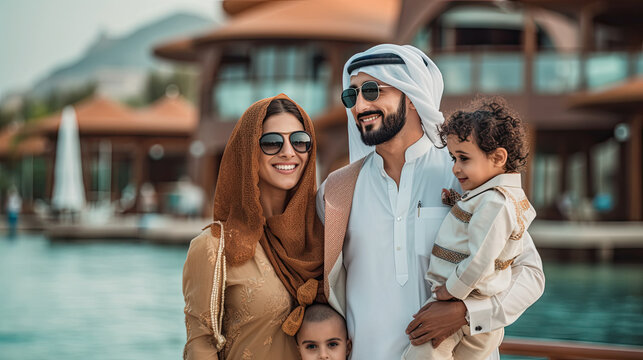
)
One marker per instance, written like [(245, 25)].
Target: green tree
[(5, 118), (33, 108), (157, 83)]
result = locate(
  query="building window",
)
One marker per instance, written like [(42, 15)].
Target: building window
[(606, 69), (581, 205), (31, 177), (488, 27), (545, 185), (167, 169), (301, 72), (501, 73), (556, 73), (606, 160), (422, 39), (457, 72)]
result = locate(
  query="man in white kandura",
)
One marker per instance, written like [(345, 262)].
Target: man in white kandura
[(378, 247)]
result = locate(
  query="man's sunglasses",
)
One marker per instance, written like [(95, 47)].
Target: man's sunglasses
[(272, 142), (370, 92)]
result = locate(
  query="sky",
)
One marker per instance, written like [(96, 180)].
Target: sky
[(37, 36)]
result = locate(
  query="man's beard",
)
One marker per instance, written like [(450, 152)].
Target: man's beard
[(391, 125)]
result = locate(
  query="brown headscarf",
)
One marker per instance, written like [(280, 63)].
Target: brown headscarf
[(293, 240)]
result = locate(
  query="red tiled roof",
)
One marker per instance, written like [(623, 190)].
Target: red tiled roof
[(362, 21), (339, 20), (234, 7), (179, 50), (170, 115), (100, 115), (10, 145)]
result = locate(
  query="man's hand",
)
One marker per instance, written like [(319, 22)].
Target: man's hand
[(436, 321)]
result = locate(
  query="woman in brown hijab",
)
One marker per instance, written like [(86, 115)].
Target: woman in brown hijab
[(259, 262)]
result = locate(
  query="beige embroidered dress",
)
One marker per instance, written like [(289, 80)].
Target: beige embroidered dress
[(256, 304)]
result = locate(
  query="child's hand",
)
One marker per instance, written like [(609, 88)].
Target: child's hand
[(441, 293), (445, 195)]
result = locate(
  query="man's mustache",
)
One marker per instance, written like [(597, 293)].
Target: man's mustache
[(370, 112)]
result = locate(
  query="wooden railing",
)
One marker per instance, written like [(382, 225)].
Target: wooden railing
[(568, 350)]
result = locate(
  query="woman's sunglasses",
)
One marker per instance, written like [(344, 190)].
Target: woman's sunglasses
[(271, 143), (370, 92)]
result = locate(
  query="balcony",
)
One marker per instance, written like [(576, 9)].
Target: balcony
[(301, 72), (233, 97), (550, 73)]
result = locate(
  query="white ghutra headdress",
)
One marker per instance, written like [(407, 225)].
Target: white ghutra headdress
[(407, 69)]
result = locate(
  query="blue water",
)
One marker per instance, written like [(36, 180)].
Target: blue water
[(118, 300), (90, 300), (587, 302)]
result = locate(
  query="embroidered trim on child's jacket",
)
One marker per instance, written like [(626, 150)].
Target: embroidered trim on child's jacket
[(520, 207), (460, 214), (501, 265), (456, 257), (448, 255)]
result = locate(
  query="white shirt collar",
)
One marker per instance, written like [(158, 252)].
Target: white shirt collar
[(418, 148)]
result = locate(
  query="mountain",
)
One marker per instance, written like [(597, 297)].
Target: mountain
[(128, 56)]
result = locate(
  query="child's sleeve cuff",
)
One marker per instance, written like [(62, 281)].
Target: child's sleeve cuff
[(457, 288)]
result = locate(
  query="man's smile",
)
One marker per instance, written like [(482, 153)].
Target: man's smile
[(369, 117)]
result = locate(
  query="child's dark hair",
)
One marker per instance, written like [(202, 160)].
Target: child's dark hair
[(319, 312), (491, 125)]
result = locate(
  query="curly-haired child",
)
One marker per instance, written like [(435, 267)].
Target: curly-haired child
[(482, 235)]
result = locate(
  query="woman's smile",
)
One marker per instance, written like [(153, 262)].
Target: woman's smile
[(285, 168)]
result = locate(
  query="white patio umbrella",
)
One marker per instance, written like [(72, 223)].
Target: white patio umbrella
[(69, 191)]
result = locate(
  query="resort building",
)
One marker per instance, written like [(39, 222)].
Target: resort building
[(295, 47), (22, 164), (122, 151), (539, 55)]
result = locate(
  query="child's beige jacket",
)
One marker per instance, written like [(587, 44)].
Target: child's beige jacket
[(479, 239)]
